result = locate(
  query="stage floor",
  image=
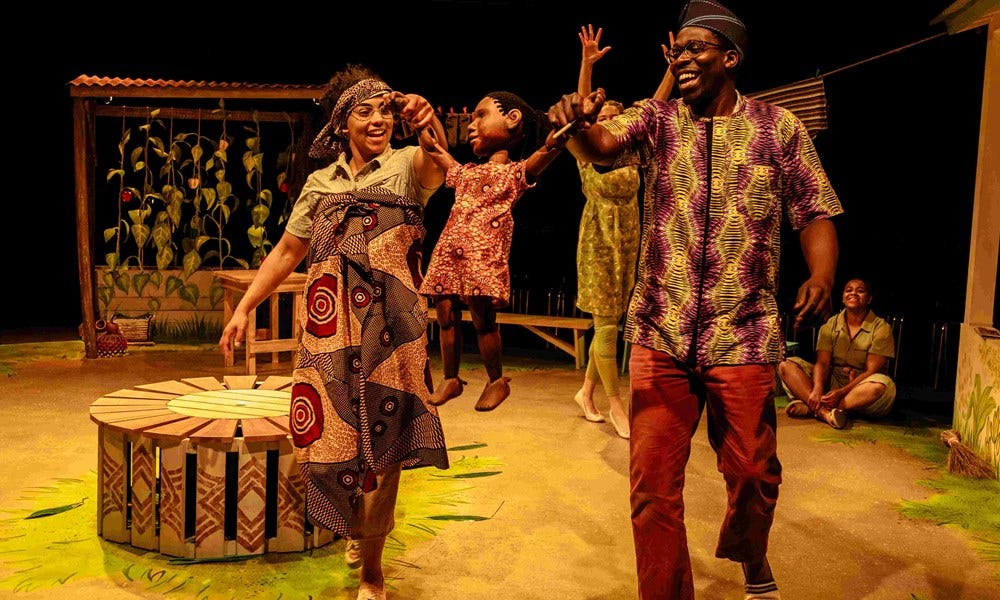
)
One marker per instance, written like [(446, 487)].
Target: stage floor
[(535, 506)]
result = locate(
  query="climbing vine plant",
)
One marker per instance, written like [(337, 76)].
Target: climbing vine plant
[(178, 205)]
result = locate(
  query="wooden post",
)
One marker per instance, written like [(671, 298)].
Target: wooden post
[(83, 166)]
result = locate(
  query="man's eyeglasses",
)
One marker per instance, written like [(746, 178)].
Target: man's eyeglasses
[(365, 111), (694, 48)]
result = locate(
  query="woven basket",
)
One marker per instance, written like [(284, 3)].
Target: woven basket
[(135, 329)]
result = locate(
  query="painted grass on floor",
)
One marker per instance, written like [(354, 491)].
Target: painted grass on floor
[(57, 552), (972, 505), (13, 354)]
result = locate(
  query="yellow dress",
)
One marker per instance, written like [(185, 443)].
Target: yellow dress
[(608, 245)]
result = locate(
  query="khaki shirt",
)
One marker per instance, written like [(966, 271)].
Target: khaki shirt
[(874, 337), (393, 170)]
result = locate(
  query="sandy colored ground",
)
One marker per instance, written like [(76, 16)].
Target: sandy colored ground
[(562, 531)]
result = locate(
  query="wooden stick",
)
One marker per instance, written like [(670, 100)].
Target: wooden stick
[(562, 130)]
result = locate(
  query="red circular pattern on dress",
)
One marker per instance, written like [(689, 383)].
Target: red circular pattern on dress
[(355, 364), (321, 307), (306, 414), (386, 336), (369, 222)]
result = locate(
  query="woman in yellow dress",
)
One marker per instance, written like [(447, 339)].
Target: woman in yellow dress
[(607, 250)]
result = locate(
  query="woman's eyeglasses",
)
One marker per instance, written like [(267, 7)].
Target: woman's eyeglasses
[(366, 111), (694, 48)]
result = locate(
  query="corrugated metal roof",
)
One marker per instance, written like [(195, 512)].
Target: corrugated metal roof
[(94, 86), (806, 99)]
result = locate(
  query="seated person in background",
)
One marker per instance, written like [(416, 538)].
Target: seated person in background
[(850, 374)]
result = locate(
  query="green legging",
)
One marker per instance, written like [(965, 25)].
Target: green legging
[(603, 362)]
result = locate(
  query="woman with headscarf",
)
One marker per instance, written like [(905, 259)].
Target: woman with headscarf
[(359, 408)]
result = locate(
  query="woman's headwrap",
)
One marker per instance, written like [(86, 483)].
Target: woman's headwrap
[(710, 14), (330, 143)]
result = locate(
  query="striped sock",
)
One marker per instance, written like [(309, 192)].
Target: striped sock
[(767, 590)]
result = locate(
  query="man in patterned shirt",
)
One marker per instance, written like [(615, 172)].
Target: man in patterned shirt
[(720, 169)]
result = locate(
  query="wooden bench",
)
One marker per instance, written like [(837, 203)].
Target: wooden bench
[(578, 325)]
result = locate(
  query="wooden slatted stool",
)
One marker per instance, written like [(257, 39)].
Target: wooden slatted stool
[(236, 284), (201, 468)]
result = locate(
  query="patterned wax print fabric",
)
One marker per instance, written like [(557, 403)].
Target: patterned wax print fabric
[(471, 258), (362, 377), (847, 354), (715, 192), (608, 244)]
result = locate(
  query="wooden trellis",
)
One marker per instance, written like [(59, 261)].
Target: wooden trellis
[(89, 95)]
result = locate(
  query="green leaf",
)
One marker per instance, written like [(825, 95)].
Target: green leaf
[(139, 281), (156, 278), (256, 236), (209, 164), (173, 283), (154, 113), (122, 281), (469, 447), (259, 214), (140, 232), (215, 294), (266, 197), (242, 263), (112, 259), (161, 235), (109, 233), (200, 241), (140, 165), (192, 260), (174, 210), (48, 512), (164, 257), (472, 475), (112, 173), (210, 197), (225, 190), (458, 518), (189, 293), (154, 304), (134, 157), (196, 152), (181, 560), (105, 293)]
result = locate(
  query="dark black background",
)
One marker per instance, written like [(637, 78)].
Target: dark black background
[(900, 150)]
